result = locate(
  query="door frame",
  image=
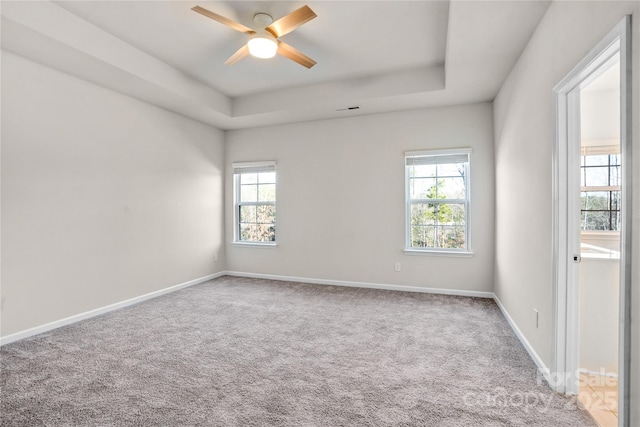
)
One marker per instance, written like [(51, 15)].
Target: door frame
[(565, 358)]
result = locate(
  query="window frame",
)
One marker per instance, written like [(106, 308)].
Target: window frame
[(237, 204), (458, 252), (600, 150)]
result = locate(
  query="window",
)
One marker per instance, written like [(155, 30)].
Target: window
[(437, 188), (600, 189), (255, 202)]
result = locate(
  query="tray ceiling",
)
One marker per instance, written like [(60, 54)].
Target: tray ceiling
[(381, 55)]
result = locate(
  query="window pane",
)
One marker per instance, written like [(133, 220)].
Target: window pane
[(422, 188), (614, 159), (248, 193), (266, 233), (423, 214), (595, 200), (423, 237), (597, 160), (615, 221), (267, 193), (451, 237), (451, 188), (247, 231), (258, 232), (422, 171), (450, 214), (248, 178), (614, 179), (615, 200), (598, 220), (266, 214), (596, 177), (247, 214), (267, 178), (451, 169)]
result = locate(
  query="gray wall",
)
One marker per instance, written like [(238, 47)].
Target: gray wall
[(524, 135), (104, 198), (340, 197)]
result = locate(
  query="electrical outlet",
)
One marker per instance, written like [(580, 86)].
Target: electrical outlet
[(535, 317), (215, 257), (398, 266)]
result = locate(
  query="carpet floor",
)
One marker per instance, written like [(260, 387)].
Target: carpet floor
[(248, 352)]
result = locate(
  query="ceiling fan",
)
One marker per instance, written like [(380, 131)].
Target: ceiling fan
[(263, 42)]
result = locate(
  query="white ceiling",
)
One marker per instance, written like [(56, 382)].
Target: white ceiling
[(381, 55), (347, 39)]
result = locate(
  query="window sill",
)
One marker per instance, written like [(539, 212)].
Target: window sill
[(431, 252), (255, 244), (601, 234)]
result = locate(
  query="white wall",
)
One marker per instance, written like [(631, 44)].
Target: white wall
[(599, 309), (524, 134), (600, 116), (104, 198), (340, 197)]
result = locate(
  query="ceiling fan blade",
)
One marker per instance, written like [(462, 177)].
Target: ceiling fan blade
[(228, 22), (240, 54), (288, 23), (294, 54)]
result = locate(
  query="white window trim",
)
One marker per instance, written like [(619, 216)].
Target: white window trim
[(455, 253), (408, 249), (243, 243), (236, 219), (235, 165)]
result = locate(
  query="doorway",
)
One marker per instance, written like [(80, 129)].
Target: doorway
[(592, 225), (599, 229)]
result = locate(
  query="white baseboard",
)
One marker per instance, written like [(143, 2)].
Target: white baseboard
[(98, 311), (536, 358), (404, 288)]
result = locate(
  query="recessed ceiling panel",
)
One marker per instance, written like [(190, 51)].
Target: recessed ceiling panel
[(348, 39)]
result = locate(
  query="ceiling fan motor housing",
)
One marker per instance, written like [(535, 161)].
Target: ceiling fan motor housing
[(262, 19)]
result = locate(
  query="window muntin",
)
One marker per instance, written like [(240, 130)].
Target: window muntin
[(438, 200), (600, 189), (255, 202)]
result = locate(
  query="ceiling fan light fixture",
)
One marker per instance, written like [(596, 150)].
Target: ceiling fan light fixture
[(263, 45), (264, 41)]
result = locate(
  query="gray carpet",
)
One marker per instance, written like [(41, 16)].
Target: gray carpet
[(247, 352)]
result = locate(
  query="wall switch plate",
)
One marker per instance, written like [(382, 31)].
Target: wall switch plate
[(398, 266), (215, 257)]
